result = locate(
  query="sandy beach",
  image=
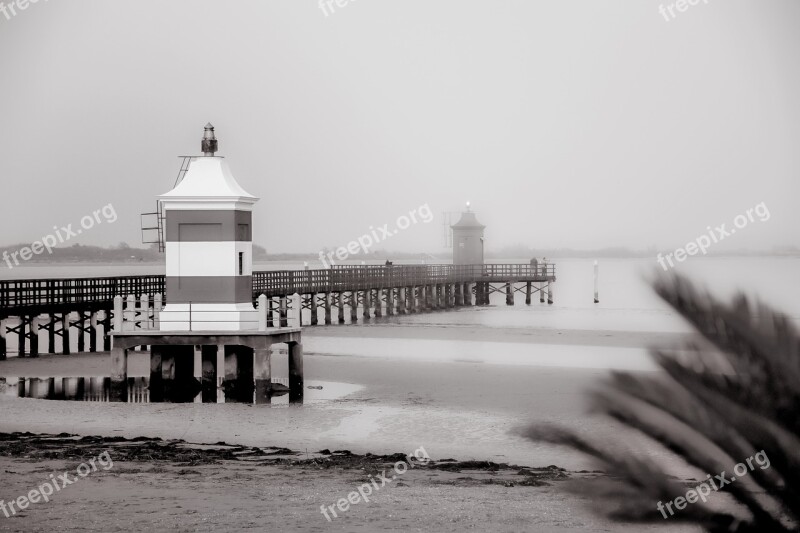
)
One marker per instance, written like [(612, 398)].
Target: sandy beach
[(382, 404)]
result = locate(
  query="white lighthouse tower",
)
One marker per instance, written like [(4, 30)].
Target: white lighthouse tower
[(209, 248)]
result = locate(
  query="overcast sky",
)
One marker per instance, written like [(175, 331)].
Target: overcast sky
[(578, 124)]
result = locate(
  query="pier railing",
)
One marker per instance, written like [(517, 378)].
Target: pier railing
[(56, 295), (351, 278)]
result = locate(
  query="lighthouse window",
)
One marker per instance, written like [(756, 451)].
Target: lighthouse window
[(241, 263)]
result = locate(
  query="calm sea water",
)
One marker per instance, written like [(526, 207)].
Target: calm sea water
[(626, 301)]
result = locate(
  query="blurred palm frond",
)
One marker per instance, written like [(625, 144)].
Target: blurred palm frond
[(720, 401)]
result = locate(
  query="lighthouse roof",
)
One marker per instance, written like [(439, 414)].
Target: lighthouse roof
[(468, 220), (209, 178)]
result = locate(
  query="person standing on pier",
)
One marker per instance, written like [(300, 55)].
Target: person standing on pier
[(535, 266)]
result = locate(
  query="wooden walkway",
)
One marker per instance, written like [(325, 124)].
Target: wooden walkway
[(55, 309)]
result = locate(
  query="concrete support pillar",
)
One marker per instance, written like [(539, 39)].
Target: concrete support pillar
[(314, 317), (209, 385), (378, 302), (401, 301), (340, 310), (262, 372), (219, 373), (353, 307), (51, 333), (467, 293), (197, 372), (541, 293), (239, 382), (296, 380), (21, 339), (262, 312), (168, 374), (550, 293), (328, 318), (509, 293), (156, 376), (390, 301), (158, 305), (367, 303), (34, 337), (81, 332), (459, 295), (528, 293), (118, 313), (65, 341), (93, 330), (119, 375), (284, 312)]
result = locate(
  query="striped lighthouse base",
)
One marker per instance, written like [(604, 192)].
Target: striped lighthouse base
[(208, 317)]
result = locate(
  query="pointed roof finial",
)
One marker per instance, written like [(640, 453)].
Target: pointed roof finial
[(209, 144)]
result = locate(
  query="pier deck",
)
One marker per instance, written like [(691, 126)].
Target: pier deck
[(58, 310)]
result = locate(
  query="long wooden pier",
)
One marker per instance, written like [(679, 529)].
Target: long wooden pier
[(84, 307)]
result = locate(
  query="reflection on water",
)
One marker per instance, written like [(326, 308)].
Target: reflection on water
[(97, 389)]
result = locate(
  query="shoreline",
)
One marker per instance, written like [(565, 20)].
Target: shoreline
[(157, 485)]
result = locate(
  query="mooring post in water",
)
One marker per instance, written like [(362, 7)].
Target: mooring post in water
[(119, 374), (295, 372), (596, 293), (262, 372)]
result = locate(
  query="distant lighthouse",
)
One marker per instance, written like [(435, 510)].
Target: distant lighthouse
[(468, 239), (209, 248)]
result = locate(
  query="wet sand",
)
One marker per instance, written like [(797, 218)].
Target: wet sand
[(459, 410), (153, 485)]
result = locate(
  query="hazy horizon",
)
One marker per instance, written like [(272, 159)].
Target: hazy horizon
[(577, 125)]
